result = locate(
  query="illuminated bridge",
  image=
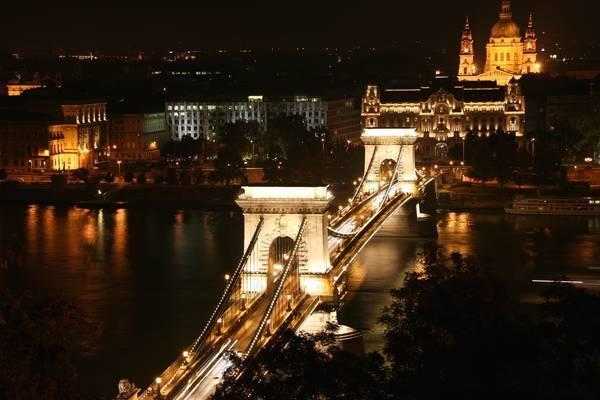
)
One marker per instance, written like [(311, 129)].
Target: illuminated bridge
[(297, 250)]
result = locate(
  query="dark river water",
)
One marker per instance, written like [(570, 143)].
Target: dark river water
[(150, 276)]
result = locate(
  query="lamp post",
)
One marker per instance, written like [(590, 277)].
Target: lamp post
[(533, 150), (252, 143), (463, 150), (119, 166)]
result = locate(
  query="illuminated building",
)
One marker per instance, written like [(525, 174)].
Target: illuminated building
[(202, 119), (443, 111), (136, 136), (508, 54), (74, 131), (64, 150), (16, 88)]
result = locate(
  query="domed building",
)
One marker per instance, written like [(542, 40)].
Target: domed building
[(508, 54)]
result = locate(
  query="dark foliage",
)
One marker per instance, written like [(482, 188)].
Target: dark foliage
[(307, 367), (141, 179), (454, 330), (39, 336), (58, 179)]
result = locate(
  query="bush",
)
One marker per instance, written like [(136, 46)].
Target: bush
[(141, 179), (185, 178), (81, 174), (198, 177), (128, 176), (3, 175), (58, 179), (109, 178), (158, 179), (171, 177)]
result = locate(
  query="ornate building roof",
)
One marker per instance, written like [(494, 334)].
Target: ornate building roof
[(506, 27)]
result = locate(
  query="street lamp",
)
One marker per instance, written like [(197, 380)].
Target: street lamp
[(463, 150), (532, 149), (119, 165)]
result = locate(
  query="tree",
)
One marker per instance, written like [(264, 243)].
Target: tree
[(228, 165), (198, 176), (141, 178), (158, 178), (109, 178), (294, 153), (171, 177), (81, 174), (185, 178), (39, 337), (3, 175), (481, 160), (58, 179), (128, 175), (299, 367), (457, 328)]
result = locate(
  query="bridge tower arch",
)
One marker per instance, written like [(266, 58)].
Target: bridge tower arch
[(283, 209), (389, 144)]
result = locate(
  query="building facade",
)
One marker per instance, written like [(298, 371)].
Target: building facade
[(508, 54), (136, 136), (65, 154), (23, 144), (202, 119), (444, 111)]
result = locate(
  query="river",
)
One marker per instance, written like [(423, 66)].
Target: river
[(150, 276)]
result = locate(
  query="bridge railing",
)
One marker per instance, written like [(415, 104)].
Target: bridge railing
[(232, 302), (280, 306), (365, 176), (393, 177)]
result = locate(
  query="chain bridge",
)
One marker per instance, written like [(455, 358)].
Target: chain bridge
[(297, 251)]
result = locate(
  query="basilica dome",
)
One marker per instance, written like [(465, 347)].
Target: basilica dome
[(506, 28)]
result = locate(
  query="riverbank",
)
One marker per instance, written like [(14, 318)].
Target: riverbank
[(122, 195), (493, 197)]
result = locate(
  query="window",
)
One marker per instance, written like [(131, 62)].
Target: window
[(507, 56)]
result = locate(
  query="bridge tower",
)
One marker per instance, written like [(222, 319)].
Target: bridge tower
[(386, 150), (282, 210)]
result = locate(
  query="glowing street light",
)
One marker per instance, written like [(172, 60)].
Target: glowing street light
[(227, 277)]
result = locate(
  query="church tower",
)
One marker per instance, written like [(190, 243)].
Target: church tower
[(530, 64), (466, 65)]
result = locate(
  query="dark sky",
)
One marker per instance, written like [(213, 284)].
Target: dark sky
[(126, 25)]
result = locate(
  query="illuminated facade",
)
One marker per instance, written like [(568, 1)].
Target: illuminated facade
[(201, 119), (508, 54), (91, 121), (283, 209), (443, 112), (64, 149)]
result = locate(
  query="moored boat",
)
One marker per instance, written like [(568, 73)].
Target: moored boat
[(555, 206)]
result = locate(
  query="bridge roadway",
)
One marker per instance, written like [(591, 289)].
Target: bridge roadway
[(198, 380)]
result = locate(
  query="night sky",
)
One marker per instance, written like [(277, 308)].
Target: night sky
[(111, 25)]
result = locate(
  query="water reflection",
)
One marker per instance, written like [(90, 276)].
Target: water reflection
[(150, 276)]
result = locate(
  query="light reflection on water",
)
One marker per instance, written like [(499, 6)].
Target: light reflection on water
[(519, 248), (150, 276)]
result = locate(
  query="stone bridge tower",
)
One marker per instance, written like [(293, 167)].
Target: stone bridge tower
[(283, 210)]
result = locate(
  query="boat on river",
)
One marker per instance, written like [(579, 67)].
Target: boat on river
[(575, 206)]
